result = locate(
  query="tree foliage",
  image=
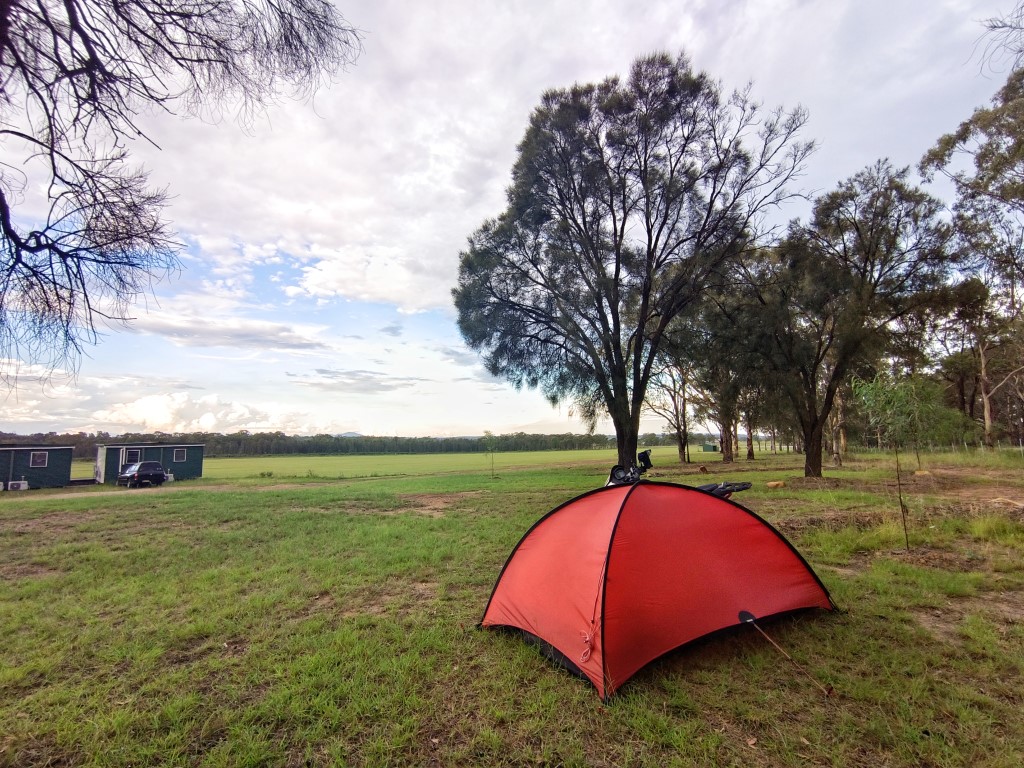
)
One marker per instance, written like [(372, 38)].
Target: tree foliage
[(626, 196), (908, 412), (247, 443), (984, 156), (82, 232), (876, 250)]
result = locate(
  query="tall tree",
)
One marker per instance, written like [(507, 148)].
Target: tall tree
[(875, 250), (81, 232), (984, 156), (724, 367), (994, 334), (668, 397), (626, 195)]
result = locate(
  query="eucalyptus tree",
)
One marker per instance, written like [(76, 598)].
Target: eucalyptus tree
[(727, 372), (625, 196), (875, 250), (984, 328), (995, 344), (984, 156), (81, 231), (668, 396), (905, 411), (731, 382)]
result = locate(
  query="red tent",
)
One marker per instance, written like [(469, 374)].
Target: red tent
[(619, 576)]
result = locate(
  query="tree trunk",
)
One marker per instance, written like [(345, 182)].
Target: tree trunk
[(726, 443), (627, 436), (813, 443), (986, 398), (838, 429)]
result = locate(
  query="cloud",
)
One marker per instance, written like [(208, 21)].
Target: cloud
[(181, 412), (356, 382), (232, 332), (458, 355)]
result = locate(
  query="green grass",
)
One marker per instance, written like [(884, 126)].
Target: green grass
[(289, 620)]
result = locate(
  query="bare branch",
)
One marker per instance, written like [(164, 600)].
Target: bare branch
[(74, 77)]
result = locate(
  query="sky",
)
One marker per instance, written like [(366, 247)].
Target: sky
[(323, 239)]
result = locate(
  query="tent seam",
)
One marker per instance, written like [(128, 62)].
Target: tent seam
[(604, 589)]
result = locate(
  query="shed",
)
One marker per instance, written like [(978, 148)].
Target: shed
[(709, 448), (182, 462), (40, 466)]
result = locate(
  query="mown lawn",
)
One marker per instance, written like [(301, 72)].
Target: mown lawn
[(293, 620), (316, 468)]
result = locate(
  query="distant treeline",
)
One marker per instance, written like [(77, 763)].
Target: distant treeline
[(278, 443)]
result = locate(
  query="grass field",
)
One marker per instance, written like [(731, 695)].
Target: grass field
[(388, 465), (324, 614)]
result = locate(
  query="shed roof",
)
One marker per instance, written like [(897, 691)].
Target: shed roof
[(150, 445), (4, 447)]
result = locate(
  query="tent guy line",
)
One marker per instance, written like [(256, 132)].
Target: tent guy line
[(747, 617)]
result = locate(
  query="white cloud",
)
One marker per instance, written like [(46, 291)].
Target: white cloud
[(181, 412), (197, 330)]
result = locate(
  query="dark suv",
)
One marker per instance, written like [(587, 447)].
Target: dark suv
[(142, 473)]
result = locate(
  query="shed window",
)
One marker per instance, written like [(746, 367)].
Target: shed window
[(38, 458), (179, 454), (132, 455)]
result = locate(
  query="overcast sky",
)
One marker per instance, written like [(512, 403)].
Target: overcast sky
[(323, 241)]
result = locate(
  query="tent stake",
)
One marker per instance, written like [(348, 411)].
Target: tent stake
[(748, 618)]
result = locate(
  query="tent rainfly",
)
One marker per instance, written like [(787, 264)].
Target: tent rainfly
[(617, 577)]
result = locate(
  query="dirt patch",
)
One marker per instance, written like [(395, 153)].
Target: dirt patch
[(323, 603), (54, 523), (970, 485), (958, 561), (392, 597), (953, 561), (66, 526), (821, 483), (25, 571), (854, 568), (235, 646), (830, 521), (974, 485), (87, 492), (1005, 610), (941, 624), (436, 504), (197, 649)]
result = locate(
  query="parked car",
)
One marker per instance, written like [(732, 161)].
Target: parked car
[(142, 473)]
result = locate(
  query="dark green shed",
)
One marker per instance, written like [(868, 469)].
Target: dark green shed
[(181, 462), (34, 466)]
